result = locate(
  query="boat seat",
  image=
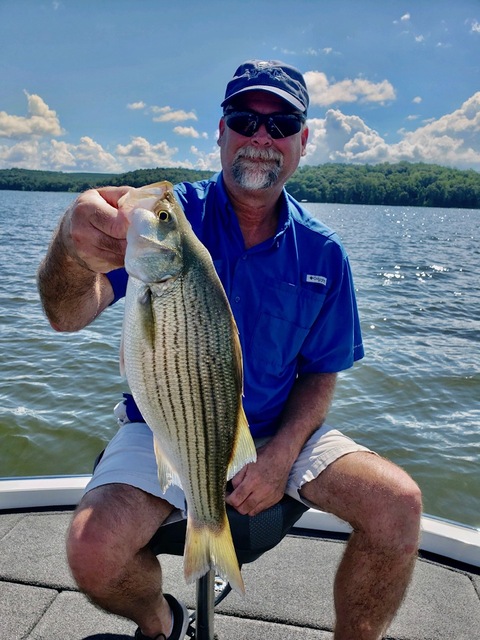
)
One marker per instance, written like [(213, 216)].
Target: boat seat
[(252, 536)]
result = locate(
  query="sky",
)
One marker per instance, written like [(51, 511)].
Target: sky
[(117, 85)]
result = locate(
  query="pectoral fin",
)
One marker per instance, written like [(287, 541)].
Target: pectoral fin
[(166, 474), (244, 450)]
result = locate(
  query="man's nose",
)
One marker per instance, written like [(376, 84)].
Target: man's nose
[(262, 137)]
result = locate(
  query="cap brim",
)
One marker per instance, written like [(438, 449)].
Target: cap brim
[(278, 92)]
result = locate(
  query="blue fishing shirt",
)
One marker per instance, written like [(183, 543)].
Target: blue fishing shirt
[(292, 297)]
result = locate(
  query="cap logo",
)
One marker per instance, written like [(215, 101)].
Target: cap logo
[(278, 74), (273, 76)]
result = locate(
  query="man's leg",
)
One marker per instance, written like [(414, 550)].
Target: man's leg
[(383, 505), (108, 553)]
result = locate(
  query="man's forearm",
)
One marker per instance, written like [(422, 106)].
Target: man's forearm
[(261, 484), (72, 295), (305, 411)]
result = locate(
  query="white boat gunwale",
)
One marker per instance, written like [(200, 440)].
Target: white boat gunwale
[(447, 539)]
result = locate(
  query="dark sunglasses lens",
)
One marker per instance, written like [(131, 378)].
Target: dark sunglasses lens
[(283, 125), (279, 125), (244, 123)]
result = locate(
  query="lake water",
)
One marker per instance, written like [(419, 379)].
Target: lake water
[(415, 397)]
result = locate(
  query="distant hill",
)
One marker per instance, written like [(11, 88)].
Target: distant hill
[(407, 184), (31, 180)]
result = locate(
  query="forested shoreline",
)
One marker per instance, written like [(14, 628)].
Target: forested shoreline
[(406, 184)]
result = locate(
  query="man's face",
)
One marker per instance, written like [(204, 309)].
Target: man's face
[(260, 161)]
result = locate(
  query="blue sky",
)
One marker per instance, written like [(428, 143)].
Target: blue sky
[(117, 85)]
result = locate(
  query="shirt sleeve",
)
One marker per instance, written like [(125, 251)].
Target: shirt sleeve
[(118, 279)]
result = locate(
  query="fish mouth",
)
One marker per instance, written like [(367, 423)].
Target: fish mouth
[(167, 278), (148, 240), (151, 246)]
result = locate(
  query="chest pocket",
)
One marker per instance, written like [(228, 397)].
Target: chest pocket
[(287, 313)]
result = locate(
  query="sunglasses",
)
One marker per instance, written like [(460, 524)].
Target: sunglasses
[(278, 125)]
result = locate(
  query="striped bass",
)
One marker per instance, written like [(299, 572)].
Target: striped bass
[(183, 363)]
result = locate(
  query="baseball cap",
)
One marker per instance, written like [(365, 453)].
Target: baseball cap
[(273, 76)]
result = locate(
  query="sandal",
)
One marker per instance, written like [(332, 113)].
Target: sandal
[(180, 622)]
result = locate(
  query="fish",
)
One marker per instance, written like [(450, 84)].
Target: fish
[(182, 359)]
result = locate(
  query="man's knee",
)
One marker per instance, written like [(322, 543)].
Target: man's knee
[(90, 547), (398, 512), (105, 535), (374, 495)]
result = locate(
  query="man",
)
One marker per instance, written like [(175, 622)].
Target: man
[(288, 281)]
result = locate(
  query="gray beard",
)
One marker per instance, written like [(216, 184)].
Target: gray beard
[(256, 175)]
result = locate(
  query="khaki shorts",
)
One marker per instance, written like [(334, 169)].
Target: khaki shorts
[(129, 459)]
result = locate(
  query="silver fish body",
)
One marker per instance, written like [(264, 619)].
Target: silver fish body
[(183, 363)]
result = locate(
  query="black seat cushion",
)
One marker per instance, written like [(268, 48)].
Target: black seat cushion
[(252, 535)]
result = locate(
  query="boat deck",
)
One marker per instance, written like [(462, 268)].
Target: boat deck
[(288, 591)]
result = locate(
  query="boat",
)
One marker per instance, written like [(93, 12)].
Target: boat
[(288, 589)]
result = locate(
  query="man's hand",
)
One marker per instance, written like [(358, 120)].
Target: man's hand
[(90, 241), (93, 231), (259, 485)]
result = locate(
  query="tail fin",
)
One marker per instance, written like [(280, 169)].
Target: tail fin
[(207, 548)]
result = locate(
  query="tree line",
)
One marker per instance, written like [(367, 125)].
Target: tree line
[(407, 184), (32, 180)]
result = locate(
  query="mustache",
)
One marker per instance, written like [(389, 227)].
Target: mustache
[(253, 153)]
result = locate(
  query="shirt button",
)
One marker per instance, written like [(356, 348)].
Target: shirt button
[(237, 298), (244, 257)]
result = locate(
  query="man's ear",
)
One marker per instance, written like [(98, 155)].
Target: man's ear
[(304, 140), (221, 129)]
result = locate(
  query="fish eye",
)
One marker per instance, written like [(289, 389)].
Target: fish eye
[(164, 216)]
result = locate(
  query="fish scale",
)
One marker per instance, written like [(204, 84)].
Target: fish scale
[(182, 359)]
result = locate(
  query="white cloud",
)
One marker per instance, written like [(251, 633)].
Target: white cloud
[(135, 106), (163, 114), (140, 153), (41, 121), (417, 100), (189, 132), (56, 155), (324, 93), (24, 154), (61, 156), (209, 161), (405, 17), (475, 28), (338, 137), (452, 140), (91, 156), (167, 114)]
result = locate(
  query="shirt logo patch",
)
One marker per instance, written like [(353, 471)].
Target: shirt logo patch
[(316, 279)]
